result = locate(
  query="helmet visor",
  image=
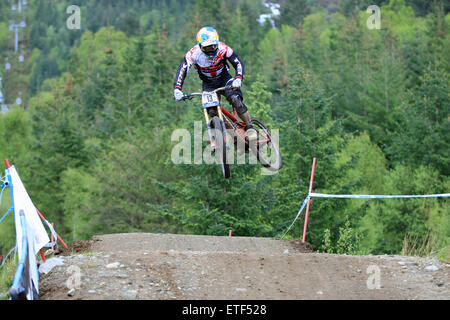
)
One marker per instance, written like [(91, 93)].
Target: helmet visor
[(210, 49)]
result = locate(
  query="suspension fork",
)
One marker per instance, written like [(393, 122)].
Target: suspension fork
[(208, 125), (224, 128)]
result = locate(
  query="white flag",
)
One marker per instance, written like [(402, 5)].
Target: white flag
[(36, 234)]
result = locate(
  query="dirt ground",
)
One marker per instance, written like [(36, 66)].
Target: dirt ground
[(146, 266)]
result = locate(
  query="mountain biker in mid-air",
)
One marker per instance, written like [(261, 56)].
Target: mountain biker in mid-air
[(210, 58)]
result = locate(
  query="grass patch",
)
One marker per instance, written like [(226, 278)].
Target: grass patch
[(6, 276), (430, 246)]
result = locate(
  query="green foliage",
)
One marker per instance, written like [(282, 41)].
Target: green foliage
[(293, 12), (276, 56), (259, 98), (428, 246), (327, 245), (348, 241), (362, 167), (422, 120), (80, 193), (15, 145), (388, 221), (16, 137), (7, 228), (7, 275)]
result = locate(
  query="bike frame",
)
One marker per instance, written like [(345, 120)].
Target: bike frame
[(224, 119), (221, 111), (241, 124)]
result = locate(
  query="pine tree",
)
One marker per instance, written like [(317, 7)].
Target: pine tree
[(422, 137), (293, 12)]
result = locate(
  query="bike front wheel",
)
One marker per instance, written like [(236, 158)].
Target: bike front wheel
[(220, 137)]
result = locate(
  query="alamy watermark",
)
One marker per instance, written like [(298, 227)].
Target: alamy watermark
[(74, 20), (374, 21), (189, 148), (374, 280), (74, 280)]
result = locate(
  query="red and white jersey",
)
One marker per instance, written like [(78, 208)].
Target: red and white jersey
[(209, 68)]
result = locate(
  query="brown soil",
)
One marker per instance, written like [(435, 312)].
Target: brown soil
[(188, 267), (74, 247)]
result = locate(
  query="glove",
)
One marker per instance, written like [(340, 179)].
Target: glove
[(237, 83), (178, 94)]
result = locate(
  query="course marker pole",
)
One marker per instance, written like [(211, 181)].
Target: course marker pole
[(53, 238), (309, 200), (57, 235)]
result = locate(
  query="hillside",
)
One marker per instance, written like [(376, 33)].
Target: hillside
[(147, 266)]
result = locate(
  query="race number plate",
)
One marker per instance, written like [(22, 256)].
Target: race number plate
[(210, 99)]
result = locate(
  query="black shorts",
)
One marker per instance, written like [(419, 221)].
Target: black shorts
[(222, 82)]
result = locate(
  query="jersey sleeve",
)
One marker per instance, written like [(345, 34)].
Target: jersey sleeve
[(237, 64), (228, 51), (181, 74), (183, 69)]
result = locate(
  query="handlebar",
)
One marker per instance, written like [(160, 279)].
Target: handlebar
[(190, 96)]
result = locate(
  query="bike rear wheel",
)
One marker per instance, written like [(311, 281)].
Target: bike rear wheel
[(221, 146), (265, 148)]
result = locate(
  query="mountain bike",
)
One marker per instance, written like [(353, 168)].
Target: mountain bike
[(218, 120)]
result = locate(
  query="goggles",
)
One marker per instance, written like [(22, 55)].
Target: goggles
[(210, 49)]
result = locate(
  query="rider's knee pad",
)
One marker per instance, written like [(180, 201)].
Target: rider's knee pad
[(237, 103)]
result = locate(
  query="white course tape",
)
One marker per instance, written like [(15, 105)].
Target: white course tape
[(360, 196)]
